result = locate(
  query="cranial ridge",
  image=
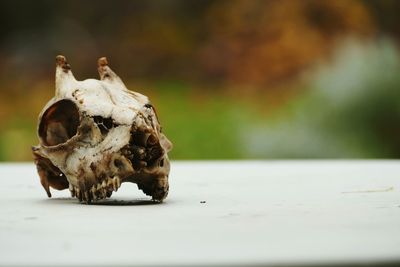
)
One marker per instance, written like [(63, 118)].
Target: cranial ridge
[(95, 135)]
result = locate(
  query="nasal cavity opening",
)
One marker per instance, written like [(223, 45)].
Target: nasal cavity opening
[(59, 123)]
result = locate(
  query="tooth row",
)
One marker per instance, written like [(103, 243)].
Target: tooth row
[(98, 191)]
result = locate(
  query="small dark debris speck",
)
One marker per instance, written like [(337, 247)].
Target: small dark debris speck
[(203, 201)]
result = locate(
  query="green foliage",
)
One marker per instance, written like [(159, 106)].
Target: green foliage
[(200, 124), (16, 139)]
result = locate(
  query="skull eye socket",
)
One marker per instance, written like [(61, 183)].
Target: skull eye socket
[(59, 123)]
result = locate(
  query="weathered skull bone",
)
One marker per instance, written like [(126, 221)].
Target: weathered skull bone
[(96, 134)]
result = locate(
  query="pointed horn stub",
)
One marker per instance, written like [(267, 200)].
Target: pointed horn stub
[(61, 61), (64, 76), (105, 72), (102, 62)]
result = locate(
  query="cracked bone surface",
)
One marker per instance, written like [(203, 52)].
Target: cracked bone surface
[(95, 135)]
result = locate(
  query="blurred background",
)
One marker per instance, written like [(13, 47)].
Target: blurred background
[(230, 79)]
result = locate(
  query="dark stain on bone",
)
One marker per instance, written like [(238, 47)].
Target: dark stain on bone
[(84, 129), (138, 138), (152, 140), (153, 154), (93, 167), (66, 67), (143, 150), (154, 111), (74, 94), (102, 176), (118, 163), (104, 124)]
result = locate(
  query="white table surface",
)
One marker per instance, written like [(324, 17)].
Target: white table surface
[(256, 212)]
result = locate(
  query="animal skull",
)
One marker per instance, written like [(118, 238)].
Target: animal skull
[(96, 134)]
